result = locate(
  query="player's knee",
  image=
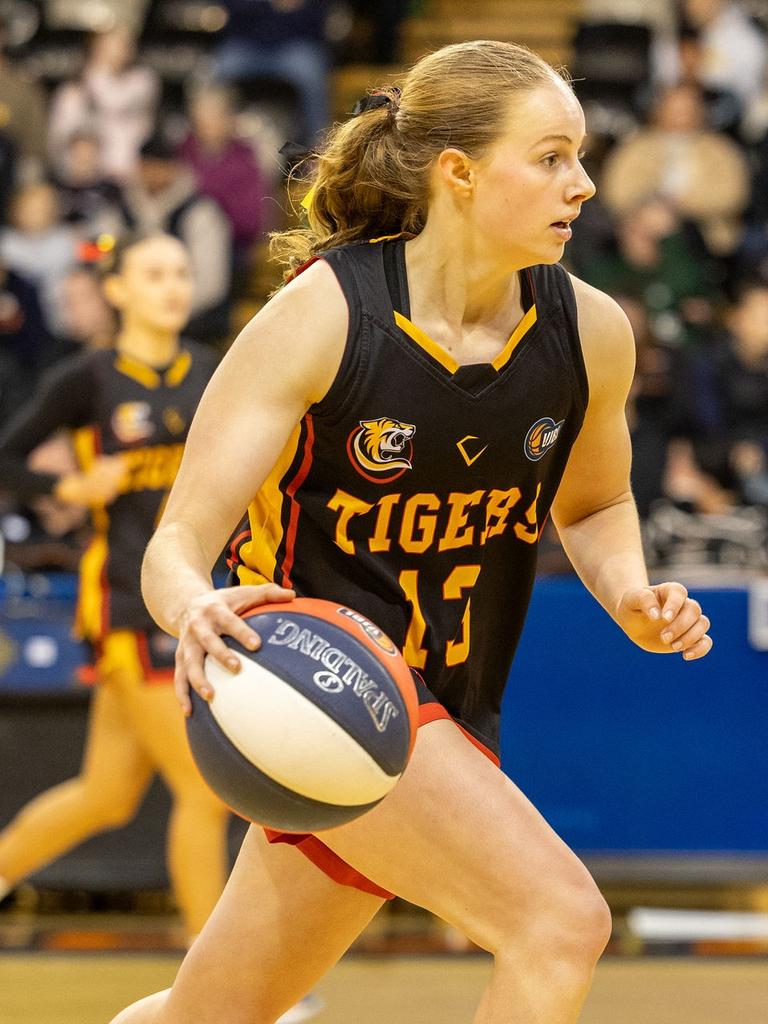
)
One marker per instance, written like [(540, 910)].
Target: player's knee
[(577, 925), (569, 916), (585, 928), (110, 808)]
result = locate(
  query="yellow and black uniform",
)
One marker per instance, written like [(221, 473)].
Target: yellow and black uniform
[(417, 489), (114, 404)]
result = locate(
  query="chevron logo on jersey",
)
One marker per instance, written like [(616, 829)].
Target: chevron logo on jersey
[(541, 437), (381, 450)]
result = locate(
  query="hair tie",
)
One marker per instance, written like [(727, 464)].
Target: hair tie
[(377, 99)]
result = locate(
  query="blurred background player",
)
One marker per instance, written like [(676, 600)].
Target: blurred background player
[(129, 409)]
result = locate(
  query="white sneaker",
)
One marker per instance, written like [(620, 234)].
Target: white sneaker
[(308, 1007)]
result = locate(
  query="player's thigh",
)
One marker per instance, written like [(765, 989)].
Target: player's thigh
[(279, 926), (115, 764), (457, 837)]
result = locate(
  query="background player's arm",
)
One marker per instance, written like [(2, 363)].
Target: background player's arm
[(281, 363), (64, 399), (594, 510)]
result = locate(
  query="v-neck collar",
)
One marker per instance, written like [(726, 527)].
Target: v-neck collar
[(149, 376), (397, 282)]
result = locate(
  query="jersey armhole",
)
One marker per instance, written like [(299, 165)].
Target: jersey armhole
[(571, 315), (342, 390)]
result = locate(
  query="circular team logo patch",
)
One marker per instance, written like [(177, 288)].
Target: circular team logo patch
[(541, 437), (381, 450)]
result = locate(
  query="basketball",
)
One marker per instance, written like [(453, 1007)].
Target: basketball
[(316, 727)]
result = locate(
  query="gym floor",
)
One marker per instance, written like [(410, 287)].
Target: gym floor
[(66, 988)]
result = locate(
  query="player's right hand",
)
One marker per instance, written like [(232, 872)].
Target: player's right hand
[(204, 621), (100, 484)]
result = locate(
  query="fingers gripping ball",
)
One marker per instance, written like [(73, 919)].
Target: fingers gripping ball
[(316, 727)]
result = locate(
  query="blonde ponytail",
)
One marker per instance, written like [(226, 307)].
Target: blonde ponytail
[(371, 178)]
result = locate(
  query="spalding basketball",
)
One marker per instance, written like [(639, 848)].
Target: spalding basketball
[(316, 727)]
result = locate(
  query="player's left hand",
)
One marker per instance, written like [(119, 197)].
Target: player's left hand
[(665, 620)]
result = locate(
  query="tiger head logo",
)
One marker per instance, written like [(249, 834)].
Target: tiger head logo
[(381, 450)]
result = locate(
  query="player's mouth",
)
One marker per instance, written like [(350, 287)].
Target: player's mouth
[(563, 228)]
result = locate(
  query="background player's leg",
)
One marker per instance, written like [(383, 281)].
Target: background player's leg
[(114, 777), (280, 925), (197, 827), (455, 836)]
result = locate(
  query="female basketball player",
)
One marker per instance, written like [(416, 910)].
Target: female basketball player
[(131, 408), (406, 411)]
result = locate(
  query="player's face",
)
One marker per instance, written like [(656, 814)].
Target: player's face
[(530, 184), (156, 284)]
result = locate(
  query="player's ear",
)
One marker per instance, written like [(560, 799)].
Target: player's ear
[(114, 291), (454, 168)]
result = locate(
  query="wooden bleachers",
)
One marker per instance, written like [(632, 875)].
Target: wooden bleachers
[(547, 26)]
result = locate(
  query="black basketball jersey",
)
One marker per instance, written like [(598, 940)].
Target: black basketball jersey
[(415, 492), (115, 404)]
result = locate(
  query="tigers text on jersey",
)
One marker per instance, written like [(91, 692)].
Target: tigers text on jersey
[(416, 490), (115, 405)]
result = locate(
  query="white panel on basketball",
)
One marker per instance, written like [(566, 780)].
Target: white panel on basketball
[(290, 739)]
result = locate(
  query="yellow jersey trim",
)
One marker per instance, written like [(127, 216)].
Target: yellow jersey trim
[(424, 341), (445, 359), (517, 336), (137, 371), (178, 369), (259, 554)]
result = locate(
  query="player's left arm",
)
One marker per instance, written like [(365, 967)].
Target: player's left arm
[(594, 510)]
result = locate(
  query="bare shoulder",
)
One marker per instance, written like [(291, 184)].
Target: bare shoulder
[(606, 338), (300, 333)]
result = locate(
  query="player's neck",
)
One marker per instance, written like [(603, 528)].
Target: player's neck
[(460, 281), (153, 347)]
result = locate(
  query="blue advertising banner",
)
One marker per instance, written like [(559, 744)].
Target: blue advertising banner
[(624, 751)]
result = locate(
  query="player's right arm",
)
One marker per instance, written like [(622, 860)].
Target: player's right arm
[(284, 360)]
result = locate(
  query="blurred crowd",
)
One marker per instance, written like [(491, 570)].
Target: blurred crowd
[(676, 99), (146, 122)]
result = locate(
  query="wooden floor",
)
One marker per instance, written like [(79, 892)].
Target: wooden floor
[(89, 989)]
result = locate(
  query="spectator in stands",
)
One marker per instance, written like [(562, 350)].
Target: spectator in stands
[(734, 49), (22, 113), (225, 166), (656, 262), (114, 98), (283, 40), (703, 174), (723, 107), (165, 198), (724, 397), (39, 247), (24, 339), (650, 412), (385, 18), (86, 192)]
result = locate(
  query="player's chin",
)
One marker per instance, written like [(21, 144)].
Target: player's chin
[(172, 323), (550, 256), (550, 253)]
